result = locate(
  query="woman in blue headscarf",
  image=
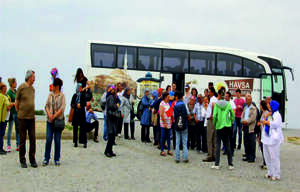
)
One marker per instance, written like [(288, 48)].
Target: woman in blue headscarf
[(272, 138), (78, 103), (146, 117)]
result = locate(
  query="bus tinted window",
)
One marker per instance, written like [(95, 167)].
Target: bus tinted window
[(175, 61), (149, 59), (229, 65), (203, 63), (131, 57), (253, 69), (103, 56)]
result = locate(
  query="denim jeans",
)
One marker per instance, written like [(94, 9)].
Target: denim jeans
[(9, 130), (182, 136), (165, 134), (237, 129), (2, 133), (105, 135), (49, 138)]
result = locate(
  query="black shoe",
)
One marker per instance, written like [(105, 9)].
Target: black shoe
[(245, 159), (45, 163), (132, 138), (23, 165), (251, 161), (34, 164), (244, 155), (85, 146), (113, 154), (107, 155), (75, 144), (208, 159), (3, 152), (57, 163)]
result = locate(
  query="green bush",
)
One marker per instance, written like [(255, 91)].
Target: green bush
[(39, 112), (69, 127)]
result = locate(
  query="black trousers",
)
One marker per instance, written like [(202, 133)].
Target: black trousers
[(126, 136), (82, 133), (201, 134), (145, 133), (231, 141), (223, 135), (173, 135), (120, 125), (191, 136), (249, 144), (91, 126), (110, 143), (27, 125)]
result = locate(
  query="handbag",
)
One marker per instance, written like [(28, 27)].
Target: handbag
[(88, 95), (70, 119), (59, 124)]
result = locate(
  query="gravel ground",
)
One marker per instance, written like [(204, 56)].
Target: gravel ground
[(138, 167)]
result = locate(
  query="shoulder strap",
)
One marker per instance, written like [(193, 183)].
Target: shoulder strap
[(53, 105)]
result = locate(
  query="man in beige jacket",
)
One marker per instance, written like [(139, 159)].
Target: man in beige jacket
[(249, 121)]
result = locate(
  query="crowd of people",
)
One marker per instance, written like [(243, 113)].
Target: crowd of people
[(206, 123)]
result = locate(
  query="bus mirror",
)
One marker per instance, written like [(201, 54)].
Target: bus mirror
[(291, 70)]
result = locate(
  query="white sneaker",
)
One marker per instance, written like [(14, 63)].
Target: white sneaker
[(215, 167), (230, 167)]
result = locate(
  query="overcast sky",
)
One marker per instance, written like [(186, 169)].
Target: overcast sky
[(40, 35)]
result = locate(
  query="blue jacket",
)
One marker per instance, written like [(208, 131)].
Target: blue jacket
[(146, 116), (180, 107)]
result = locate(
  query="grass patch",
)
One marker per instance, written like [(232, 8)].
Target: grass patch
[(294, 140)]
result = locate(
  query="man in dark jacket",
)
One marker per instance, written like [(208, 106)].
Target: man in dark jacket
[(181, 128)]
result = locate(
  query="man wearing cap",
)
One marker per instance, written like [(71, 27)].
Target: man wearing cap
[(187, 94)]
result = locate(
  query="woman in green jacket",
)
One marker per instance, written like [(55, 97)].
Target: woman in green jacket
[(223, 118)]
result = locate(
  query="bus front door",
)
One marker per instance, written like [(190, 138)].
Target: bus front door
[(179, 79)]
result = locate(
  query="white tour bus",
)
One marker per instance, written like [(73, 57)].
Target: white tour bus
[(153, 66)]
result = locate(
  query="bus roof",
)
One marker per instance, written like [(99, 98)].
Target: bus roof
[(194, 47)]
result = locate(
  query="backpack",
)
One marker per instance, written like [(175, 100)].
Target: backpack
[(180, 123), (140, 110)]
